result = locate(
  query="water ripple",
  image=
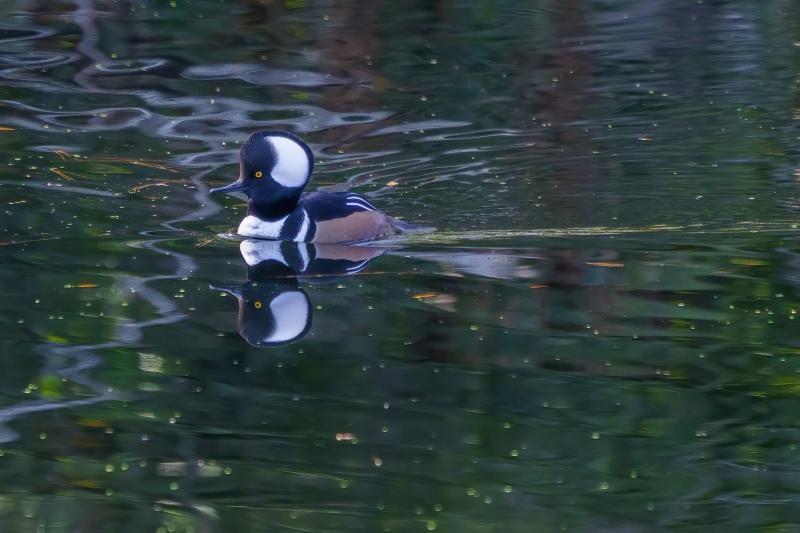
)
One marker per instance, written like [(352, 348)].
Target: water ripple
[(266, 76)]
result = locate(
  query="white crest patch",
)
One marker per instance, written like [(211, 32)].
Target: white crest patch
[(290, 311), (253, 226), (292, 164)]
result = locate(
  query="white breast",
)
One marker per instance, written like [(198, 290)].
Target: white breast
[(253, 226), (258, 251), (255, 251)]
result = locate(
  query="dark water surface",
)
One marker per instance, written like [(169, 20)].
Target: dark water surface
[(601, 335)]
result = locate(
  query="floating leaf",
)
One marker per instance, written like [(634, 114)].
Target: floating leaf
[(64, 155), (605, 264), (146, 186), (86, 484), (745, 261), (381, 84), (50, 387), (92, 423), (61, 173), (424, 295)]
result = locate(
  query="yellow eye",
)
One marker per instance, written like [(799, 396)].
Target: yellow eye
[(259, 173)]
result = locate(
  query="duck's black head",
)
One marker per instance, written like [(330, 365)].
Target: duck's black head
[(274, 167), (272, 312)]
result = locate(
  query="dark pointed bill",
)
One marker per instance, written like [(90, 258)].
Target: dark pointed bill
[(233, 290), (236, 186)]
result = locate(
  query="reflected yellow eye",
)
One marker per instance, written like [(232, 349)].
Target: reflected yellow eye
[(259, 173), (257, 305)]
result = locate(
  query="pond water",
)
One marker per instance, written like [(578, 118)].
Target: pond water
[(601, 334)]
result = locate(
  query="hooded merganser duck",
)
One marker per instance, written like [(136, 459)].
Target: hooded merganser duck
[(274, 167), (273, 309)]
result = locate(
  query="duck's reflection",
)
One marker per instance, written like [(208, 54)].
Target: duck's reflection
[(273, 308)]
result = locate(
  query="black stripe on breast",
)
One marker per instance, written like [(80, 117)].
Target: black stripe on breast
[(291, 228), (312, 229)]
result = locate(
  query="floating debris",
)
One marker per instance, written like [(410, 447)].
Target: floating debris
[(605, 264)]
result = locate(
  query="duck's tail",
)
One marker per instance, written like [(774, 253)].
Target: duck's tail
[(401, 226)]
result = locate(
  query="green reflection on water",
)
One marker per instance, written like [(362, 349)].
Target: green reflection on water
[(600, 335)]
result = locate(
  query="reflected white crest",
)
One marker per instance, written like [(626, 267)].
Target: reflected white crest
[(291, 311)]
